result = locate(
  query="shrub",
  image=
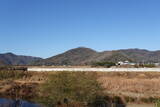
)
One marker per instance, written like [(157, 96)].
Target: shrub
[(67, 87), (11, 74), (158, 103), (104, 64)]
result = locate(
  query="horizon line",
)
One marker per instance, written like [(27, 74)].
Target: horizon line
[(9, 52)]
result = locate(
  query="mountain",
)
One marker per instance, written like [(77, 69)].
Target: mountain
[(12, 59), (2, 63), (86, 56), (141, 55), (82, 56), (72, 57)]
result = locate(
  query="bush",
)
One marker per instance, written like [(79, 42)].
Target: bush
[(104, 64), (158, 103), (64, 87), (11, 74)]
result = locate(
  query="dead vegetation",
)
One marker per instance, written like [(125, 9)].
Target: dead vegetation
[(130, 86), (140, 87)]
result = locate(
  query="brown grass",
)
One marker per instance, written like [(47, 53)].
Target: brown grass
[(132, 84), (136, 85)]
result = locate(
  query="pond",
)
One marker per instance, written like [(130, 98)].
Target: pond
[(16, 103)]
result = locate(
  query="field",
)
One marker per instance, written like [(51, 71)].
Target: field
[(140, 105), (131, 84), (137, 89)]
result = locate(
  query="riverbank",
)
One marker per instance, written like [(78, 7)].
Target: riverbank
[(132, 87)]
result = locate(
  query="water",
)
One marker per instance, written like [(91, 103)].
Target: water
[(16, 103), (21, 103)]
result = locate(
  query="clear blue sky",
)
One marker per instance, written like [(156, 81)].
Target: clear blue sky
[(48, 27)]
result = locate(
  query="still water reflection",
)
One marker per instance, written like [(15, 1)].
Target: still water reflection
[(16, 103)]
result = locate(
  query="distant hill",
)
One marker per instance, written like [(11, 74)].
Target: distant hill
[(141, 55), (2, 63), (83, 56), (12, 59), (72, 57)]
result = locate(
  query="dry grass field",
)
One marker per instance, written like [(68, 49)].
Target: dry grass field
[(141, 89), (139, 86), (140, 105)]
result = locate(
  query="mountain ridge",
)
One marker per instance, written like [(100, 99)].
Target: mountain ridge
[(13, 59), (83, 56), (87, 56)]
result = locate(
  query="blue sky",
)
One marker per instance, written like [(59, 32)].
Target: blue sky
[(47, 27)]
